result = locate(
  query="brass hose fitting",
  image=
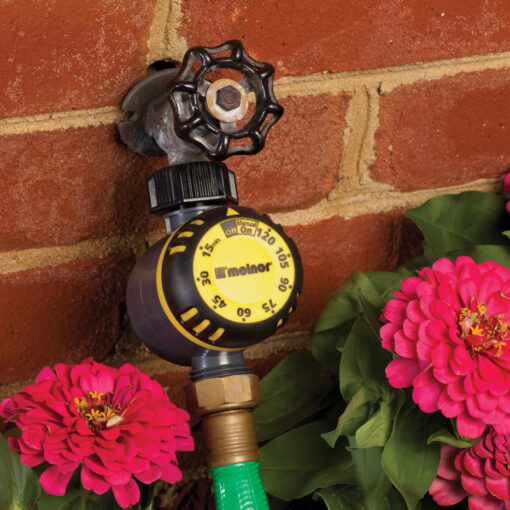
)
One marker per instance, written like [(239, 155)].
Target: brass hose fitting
[(225, 404)]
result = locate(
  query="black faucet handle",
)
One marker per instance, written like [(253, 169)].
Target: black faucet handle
[(223, 100)]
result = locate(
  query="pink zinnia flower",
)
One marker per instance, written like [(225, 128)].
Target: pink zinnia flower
[(449, 327), (112, 423), (481, 473), (506, 183), (506, 189)]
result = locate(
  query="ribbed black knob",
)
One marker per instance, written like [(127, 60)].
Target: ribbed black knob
[(203, 182)]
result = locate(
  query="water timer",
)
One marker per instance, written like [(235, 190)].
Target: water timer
[(223, 280)]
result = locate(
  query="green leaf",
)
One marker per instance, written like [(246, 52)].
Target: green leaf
[(355, 414), (340, 308), (386, 283), (444, 436), (372, 480), (452, 222), (363, 361), (396, 502), (326, 346), (376, 430), (71, 500), (418, 263), (341, 497), (482, 253), (276, 504), (78, 499), (19, 485), (344, 305), (356, 296), (299, 462), (295, 389), (506, 233), (410, 463)]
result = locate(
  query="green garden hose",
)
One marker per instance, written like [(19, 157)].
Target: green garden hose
[(239, 487)]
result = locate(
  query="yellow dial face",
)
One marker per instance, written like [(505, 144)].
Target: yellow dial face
[(243, 269)]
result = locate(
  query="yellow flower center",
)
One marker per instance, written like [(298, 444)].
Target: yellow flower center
[(96, 410), (482, 333)]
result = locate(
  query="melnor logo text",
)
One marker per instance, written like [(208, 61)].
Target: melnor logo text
[(229, 272)]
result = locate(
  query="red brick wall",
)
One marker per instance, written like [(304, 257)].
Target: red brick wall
[(387, 103)]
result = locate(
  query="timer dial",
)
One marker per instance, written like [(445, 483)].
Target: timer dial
[(246, 272)]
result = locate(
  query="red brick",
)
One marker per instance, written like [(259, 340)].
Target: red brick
[(60, 314), (309, 36), (262, 366), (331, 249), (174, 383), (300, 163), (444, 132), (61, 55), (61, 187)]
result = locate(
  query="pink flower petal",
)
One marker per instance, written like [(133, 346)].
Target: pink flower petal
[(473, 409), (474, 464), (127, 494), (410, 329), (403, 346), (150, 475), (54, 481), (490, 284), (457, 391), (499, 487), (444, 265), (506, 183), (441, 354), (469, 426), (414, 312), (447, 492), (492, 373), (409, 286), (498, 304), (395, 311), (466, 289), (450, 408), (46, 374), (480, 385), (443, 311), (447, 467), (490, 469), (502, 427), (487, 402), (485, 503), (436, 330), (401, 372), (473, 484), (93, 482), (427, 396), (462, 358), (105, 382), (170, 473), (445, 375)]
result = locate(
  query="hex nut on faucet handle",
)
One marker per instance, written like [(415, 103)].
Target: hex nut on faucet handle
[(228, 98), (222, 394)]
